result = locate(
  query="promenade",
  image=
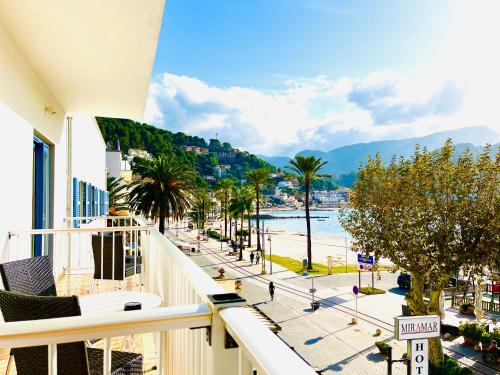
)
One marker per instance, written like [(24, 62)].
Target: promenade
[(326, 338)]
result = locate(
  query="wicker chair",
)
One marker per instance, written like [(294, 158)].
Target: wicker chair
[(31, 276), (107, 252), (74, 358)]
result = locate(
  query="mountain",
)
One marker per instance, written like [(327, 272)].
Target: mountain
[(190, 150), (277, 161), (346, 159)]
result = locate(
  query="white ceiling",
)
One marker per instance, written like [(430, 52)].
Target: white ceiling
[(95, 56)]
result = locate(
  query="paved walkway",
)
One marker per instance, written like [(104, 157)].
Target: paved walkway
[(325, 338)]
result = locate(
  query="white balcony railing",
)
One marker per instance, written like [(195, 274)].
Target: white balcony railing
[(191, 333)]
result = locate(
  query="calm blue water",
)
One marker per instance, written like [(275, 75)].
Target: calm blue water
[(330, 225)]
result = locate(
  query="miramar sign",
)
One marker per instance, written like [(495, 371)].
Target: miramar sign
[(417, 327)]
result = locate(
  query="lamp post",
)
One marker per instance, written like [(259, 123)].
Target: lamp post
[(270, 253), (260, 232), (220, 238)]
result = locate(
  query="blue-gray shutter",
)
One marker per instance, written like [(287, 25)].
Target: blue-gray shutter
[(106, 203), (76, 201)]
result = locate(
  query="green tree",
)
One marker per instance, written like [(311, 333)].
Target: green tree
[(118, 194), (240, 203), (202, 205), (164, 190), (430, 216), (307, 169), (258, 178), (223, 190)]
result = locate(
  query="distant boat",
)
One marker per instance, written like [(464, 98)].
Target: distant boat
[(321, 219)]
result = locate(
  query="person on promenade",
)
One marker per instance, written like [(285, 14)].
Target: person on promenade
[(271, 290), (257, 259), (252, 255)]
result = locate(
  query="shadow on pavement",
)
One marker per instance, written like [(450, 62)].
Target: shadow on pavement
[(399, 291), (375, 357)]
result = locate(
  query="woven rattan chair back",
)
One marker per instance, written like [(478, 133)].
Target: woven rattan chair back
[(71, 358), (107, 255), (31, 276)]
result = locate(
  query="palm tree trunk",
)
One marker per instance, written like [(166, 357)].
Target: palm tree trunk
[(230, 229), (225, 213), (162, 218), (308, 224), (249, 230), (241, 236), (257, 210), (167, 214)]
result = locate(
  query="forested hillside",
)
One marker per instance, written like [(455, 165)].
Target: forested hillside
[(134, 135)]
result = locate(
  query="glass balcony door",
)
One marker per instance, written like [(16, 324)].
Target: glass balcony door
[(41, 195)]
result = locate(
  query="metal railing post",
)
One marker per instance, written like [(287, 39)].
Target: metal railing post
[(224, 354)]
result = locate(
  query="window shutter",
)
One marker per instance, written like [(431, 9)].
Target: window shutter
[(96, 201), (87, 200), (106, 203), (91, 200), (76, 201)]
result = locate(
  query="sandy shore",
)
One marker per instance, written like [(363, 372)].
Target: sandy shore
[(294, 245)]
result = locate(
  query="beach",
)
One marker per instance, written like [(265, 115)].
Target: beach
[(293, 244)]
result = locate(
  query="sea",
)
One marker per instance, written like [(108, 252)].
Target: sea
[(329, 224)]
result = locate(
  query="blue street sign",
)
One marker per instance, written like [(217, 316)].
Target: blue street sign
[(365, 259), (355, 290)]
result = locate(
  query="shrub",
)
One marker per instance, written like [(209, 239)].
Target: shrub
[(495, 335), (467, 308), (485, 339), (370, 290), (450, 366), (473, 331), (383, 347), (216, 235)]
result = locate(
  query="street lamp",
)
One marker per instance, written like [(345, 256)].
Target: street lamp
[(270, 253), (220, 238)]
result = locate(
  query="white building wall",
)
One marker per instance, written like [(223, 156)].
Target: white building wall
[(23, 98), (113, 163)]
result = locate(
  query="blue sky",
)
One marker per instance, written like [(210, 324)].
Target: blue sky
[(277, 76)]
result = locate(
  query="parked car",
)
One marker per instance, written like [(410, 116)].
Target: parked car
[(404, 281)]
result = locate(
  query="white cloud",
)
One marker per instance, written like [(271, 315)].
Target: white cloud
[(317, 112)]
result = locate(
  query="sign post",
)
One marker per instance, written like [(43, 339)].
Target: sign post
[(417, 329), (330, 264), (355, 290)]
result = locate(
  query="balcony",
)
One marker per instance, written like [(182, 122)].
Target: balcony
[(192, 327)]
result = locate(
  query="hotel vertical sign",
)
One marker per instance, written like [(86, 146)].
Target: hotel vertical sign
[(420, 357), (418, 329)]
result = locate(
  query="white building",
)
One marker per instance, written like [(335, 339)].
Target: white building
[(113, 163), (285, 184), (61, 64)]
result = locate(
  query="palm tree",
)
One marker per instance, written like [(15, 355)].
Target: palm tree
[(223, 190), (307, 168), (258, 178), (118, 194), (241, 202), (201, 207), (164, 190)]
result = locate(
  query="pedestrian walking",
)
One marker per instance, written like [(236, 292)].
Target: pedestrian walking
[(271, 290), (252, 255), (257, 259)]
